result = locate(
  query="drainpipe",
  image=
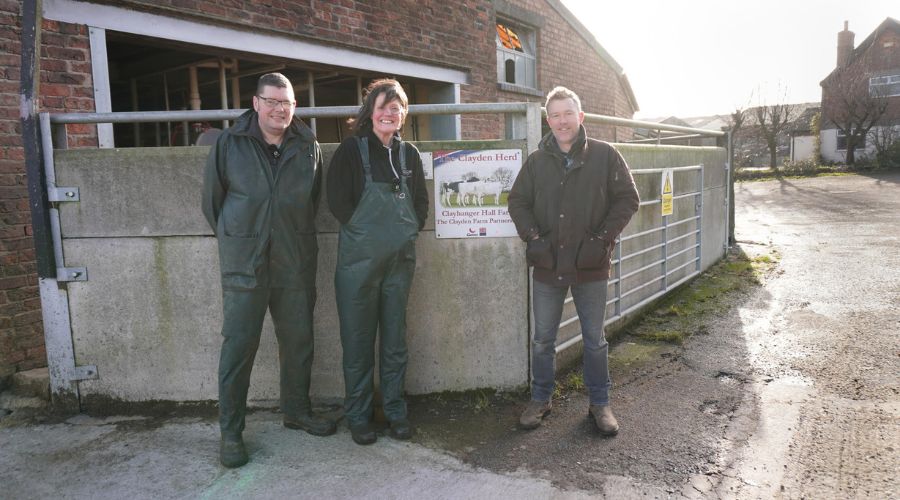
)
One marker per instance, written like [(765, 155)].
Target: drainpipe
[(29, 85)]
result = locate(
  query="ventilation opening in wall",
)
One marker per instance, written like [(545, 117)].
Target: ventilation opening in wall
[(516, 60), (152, 74)]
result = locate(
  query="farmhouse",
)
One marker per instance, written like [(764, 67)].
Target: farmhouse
[(861, 96)]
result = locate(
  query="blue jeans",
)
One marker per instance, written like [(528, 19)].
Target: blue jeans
[(590, 302)]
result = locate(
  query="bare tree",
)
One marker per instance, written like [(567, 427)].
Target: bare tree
[(883, 137), (773, 121), (852, 106)]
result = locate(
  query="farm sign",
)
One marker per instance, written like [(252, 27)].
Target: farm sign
[(470, 191)]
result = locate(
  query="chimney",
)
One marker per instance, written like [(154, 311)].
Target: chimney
[(845, 46)]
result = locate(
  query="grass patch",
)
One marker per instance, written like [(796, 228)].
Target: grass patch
[(573, 382), (481, 399), (681, 314), (798, 171)]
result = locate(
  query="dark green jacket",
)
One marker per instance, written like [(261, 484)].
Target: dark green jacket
[(577, 212), (265, 224)]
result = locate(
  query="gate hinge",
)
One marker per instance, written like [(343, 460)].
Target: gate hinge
[(71, 274), (57, 194)]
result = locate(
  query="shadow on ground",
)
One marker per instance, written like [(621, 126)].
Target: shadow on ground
[(678, 380)]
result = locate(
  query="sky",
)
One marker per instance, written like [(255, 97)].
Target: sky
[(705, 57)]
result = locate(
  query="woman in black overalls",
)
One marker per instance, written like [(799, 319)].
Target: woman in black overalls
[(376, 189)]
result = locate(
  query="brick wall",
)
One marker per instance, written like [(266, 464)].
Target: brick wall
[(65, 85), (21, 335), (567, 59), (883, 55), (458, 34)]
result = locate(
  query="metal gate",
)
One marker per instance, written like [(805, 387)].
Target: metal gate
[(654, 254)]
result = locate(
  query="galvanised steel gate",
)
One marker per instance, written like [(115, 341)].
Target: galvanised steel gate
[(656, 252)]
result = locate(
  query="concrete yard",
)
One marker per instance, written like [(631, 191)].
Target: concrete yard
[(790, 390)]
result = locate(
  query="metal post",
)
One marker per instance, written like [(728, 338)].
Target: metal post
[(194, 87), (665, 250), (166, 98), (55, 302), (135, 107), (729, 192), (311, 81), (223, 89), (102, 92), (235, 85), (619, 278), (698, 207), (533, 118)]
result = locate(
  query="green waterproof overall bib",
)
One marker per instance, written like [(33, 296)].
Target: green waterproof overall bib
[(376, 262)]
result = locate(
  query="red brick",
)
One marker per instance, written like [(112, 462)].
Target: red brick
[(27, 318), (15, 244), (13, 357), (28, 342), (11, 282), (56, 90)]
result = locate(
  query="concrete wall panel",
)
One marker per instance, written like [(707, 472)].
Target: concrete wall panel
[(150, 314)]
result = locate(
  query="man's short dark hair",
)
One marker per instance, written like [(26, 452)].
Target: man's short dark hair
[(559, 93), (272, 80)]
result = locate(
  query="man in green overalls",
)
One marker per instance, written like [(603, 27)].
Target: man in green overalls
[(376, 189), (260, 195)]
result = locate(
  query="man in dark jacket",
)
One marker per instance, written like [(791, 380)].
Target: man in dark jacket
[(570, 201), (260, 195)]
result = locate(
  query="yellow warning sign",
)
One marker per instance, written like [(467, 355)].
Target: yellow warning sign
[(667, 189)]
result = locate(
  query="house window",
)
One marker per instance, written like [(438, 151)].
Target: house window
[(842, 141), (516, 55), (884, 86)]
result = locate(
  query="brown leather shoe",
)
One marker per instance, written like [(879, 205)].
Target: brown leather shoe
[(312, 424), (604, 420), (533, 415)]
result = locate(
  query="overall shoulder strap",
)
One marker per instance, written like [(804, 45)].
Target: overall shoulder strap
[(403, 155), (402, 161), (363, 145)]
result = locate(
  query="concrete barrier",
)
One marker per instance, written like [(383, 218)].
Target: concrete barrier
[(150, 313)]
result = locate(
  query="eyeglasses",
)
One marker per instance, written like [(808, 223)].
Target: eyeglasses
[(268, 101), (393, 110)]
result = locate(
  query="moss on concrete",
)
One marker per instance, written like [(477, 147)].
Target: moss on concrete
[(677, 317)]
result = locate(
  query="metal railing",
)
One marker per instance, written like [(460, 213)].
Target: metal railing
[(53, 131), (661, 264)]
